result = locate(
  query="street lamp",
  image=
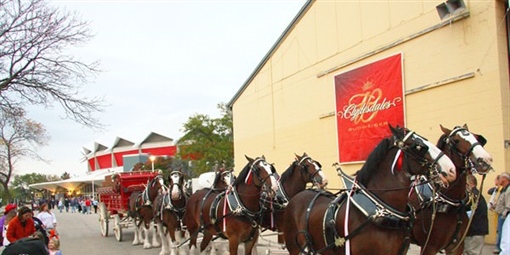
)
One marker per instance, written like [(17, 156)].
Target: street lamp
[(152, 158)]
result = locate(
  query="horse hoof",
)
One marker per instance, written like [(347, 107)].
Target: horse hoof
[(147, 246)]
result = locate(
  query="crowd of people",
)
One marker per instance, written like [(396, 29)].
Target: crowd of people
[(24, 232), (83, 205), (33, 229)]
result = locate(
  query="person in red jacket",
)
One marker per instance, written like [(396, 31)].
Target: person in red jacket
[(21, 226)]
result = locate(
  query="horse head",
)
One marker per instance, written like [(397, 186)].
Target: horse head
[(312, 169), (176, 184), (223, 178), (469, 146), (265, 175), (426, 155)]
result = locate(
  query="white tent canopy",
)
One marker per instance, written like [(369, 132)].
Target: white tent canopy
[(95, 177)]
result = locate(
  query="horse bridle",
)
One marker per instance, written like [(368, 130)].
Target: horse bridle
[(311, 176), (256, 173), (468, 163), (179, 185), (408, 151), (454, 132)]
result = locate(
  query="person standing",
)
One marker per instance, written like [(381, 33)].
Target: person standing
[(502, 209), (475, 239), (60, 204), (73, 204), (95, 203), (9, 213), (494, 192), (21, 226), (47, 218), (66, 204)]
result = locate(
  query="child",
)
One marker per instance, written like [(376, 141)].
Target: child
[(54, 246)]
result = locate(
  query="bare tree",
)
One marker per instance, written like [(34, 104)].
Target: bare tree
[(19, 138), (34, 66)]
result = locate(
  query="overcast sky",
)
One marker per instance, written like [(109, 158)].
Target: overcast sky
[(163, 61)]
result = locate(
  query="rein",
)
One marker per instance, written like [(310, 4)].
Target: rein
[(473, 209)]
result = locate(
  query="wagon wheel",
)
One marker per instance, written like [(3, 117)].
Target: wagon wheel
[(103, 219), (117, 227)]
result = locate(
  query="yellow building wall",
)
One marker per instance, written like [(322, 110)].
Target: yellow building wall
[(454, 73)]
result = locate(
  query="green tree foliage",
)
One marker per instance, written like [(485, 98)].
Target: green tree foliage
[(208, 141), (65, 176), (19, 138), (19, 188), (35, 68)]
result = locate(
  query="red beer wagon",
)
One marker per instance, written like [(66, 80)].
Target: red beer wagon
[(114, 199)]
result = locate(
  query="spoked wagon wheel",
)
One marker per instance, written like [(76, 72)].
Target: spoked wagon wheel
[(103, 219), (117, 227)]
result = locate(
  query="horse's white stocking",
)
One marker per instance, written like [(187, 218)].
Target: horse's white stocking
[(146, 231), (174, 249), (155, 232), (213, 248), (164, 240), (136, 240)]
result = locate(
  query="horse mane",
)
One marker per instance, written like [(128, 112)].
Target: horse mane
[(373, 160), (287, 173), (242, 175), (217, 178), (441, 143)]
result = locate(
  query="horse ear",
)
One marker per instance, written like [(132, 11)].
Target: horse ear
[(263, 157), (304, 154), (446, 131), (248, 158), (393, 130), (465, 126)]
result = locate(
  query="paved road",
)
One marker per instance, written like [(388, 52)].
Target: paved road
[(80, 235)]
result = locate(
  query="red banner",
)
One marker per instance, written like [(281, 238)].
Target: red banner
[(367, 100)]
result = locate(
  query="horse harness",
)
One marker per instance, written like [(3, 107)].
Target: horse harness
[(377, 212), (167, 204), (236, 207), (143, 198), (440, 202), (282, 199)]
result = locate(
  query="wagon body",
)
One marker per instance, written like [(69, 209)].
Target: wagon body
[(114, 199)]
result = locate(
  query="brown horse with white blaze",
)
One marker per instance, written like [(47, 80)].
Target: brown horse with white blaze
[(235, 213), (141, 212), (302, 171), (442, 221), (169, 208), (371, 216)]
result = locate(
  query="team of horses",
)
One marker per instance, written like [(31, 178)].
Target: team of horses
[(407, 191)]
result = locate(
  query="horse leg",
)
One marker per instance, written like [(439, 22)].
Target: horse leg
[(146, 231), (233, 245), (137, 238), (172, 240), (206, 239), (155, 233), (162, 236), (250, 246)]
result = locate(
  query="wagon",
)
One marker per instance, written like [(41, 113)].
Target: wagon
[(114, 199)]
